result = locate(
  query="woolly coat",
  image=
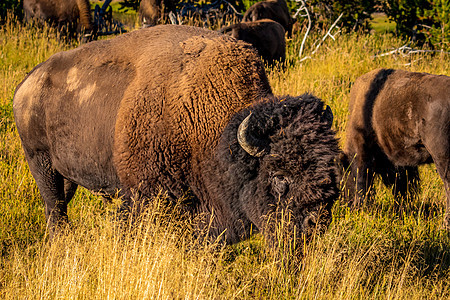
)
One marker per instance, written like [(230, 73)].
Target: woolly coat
[(161, 108)]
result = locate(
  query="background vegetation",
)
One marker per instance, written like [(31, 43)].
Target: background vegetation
[(387, 249), (424, 21), (11, 6), (418, 21)]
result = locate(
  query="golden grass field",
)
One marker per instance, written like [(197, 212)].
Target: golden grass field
[(386, 250)]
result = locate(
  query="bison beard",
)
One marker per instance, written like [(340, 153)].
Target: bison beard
[(163, 108), (291, 171)]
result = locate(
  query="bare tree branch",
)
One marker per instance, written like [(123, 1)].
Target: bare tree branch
[(303, 7), (405, 50), (328, 34), (233, 8), (173, 18)]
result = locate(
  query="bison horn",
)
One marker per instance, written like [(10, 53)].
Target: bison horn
[(248, 142)]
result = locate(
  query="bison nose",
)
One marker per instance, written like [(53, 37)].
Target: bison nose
[(309, 223), (316, 222)]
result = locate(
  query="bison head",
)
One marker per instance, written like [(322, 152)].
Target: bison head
[(286, 154)]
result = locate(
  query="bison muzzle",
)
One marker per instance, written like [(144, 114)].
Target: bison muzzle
[(182, 109)]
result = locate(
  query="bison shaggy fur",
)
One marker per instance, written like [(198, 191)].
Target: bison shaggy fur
[(398, 120), (69, 16), (182, 109), (276, 10), (267, 36)]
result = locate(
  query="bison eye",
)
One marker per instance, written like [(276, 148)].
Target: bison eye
[(280, 184)]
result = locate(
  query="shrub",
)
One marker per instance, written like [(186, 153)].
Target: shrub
[(355, 14), (438, 32), (423, 21)]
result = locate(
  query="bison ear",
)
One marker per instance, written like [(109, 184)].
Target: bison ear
[(252, 145), (327, 116)]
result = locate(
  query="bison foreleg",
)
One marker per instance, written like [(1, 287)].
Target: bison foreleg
[(359, 182), (364, 180), (447, 209), (436, 140), (357, 176), (404, 181), (408, 181), (443, 168)]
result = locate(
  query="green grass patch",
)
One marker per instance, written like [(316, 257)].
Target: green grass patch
[(381, 23)]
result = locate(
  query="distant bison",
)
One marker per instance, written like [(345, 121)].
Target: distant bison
[(276, 10), (175, 108), (69, 16), (267, 36), (398, 120), (150, 11)]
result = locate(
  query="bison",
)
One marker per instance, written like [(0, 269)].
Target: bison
[(150, 11), (183, 109), (276, 10), (266, 36), (69, 16), (398, 120)]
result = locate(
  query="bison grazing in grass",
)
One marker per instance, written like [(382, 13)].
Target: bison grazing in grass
[(182, 109), (266, 36), (69, 16), (398, 120), (150, 11), (276, 10)]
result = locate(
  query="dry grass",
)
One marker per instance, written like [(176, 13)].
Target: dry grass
[(384, 250)]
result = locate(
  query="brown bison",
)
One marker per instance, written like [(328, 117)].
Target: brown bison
[(398, 120), (266, 36), (176, 108), (276, 10), (69, 16), (150, 11)]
